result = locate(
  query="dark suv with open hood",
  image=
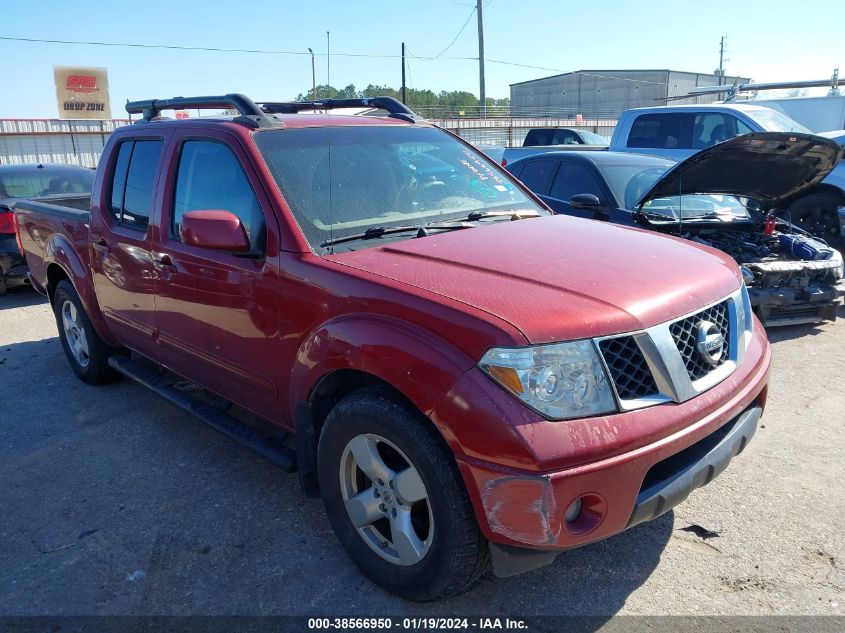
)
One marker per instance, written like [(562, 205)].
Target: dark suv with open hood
[(720, 198)]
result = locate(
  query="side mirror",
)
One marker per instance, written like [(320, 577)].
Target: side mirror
[(586, 201), (215, 229)]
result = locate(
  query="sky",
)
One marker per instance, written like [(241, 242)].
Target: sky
[(767, 40)]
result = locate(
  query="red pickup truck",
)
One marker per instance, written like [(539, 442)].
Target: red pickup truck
[(462, 375)]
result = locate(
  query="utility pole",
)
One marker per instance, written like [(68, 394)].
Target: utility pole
[(328, 62), (313, 77), (403, 72), (482, 97), (722, 60)]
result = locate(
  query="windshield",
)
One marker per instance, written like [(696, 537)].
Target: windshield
[(774, 121), (30, 183), (692, 206), (344, 180), (591, 138), (629, 182)]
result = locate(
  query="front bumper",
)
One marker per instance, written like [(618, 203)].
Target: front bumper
[(670, 481), (793, 292), (625, 468), (779, 307), (666, 484)]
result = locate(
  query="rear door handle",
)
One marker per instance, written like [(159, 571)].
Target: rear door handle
[(100, 245)]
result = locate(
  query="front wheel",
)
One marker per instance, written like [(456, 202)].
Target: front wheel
[(395, 498), (86, 352)]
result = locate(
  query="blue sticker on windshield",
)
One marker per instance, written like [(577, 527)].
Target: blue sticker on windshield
[(483, 188)]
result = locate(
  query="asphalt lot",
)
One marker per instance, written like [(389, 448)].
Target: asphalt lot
[(115, 502)]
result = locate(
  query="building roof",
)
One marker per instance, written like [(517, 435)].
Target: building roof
[(608, 74)]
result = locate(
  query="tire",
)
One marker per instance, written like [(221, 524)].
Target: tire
[(816, 214), (86, 352), (450, 554)]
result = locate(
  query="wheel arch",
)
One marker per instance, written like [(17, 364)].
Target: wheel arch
[(354, 352), (63, 262), (820, 188)]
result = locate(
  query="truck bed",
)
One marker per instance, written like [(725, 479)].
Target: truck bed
[(43, 222)]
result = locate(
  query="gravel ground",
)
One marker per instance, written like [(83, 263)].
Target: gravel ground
[(115, 502)]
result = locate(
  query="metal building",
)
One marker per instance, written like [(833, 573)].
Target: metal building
[(604, 94), (54, 141)]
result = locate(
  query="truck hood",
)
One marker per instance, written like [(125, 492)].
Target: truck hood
[(558, 278), (767, 166)]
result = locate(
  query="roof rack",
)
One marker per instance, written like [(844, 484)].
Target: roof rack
[(249, 113), (394, 108)]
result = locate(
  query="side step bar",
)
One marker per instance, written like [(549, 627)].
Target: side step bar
[(268, 447)]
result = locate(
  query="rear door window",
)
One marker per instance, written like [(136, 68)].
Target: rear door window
[(536, 175), (572, 179), (133, 181)]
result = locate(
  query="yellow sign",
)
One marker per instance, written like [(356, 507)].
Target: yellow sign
[(82, 93)]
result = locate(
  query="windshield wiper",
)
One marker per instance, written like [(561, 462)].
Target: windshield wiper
[(654, 215), (377, 231), (513, 215)]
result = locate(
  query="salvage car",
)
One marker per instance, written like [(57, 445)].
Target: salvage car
[(19, 182), (677, 132), (467, 377), (792, 277)]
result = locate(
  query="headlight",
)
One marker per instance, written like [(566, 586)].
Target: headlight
[(837, 256), (559, 381), (747, 275), (744, 318)]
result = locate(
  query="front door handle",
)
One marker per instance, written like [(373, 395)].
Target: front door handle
[(162, 261), (164, 266)]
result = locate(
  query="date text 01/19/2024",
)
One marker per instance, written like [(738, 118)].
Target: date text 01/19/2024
[(413, 624)]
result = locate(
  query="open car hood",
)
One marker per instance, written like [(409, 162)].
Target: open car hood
[(767, 166)]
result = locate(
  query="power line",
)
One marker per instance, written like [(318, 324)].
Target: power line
[(577, 72), (469, 17), (188, 48), (300, 53)]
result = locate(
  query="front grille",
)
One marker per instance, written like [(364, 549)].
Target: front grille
[(628, 368), (685, 333)]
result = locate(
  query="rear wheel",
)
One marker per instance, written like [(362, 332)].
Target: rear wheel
[(817, 214), (86, 352), (396, 500)]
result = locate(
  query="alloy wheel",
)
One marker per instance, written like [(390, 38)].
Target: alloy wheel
[(386, 499), (75, 333)]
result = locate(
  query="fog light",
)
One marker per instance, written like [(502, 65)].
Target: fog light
[(585, 514), (573, 510)]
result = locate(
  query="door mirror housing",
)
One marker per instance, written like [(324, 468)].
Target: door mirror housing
[(585, 201), (215, 229)]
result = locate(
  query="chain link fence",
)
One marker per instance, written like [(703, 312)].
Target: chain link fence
[(81, 142)]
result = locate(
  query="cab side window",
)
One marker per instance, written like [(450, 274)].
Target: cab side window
[(211, 177), (666, 130), (132, 182)]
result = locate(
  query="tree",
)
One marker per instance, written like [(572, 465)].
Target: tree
[(444, 103)]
